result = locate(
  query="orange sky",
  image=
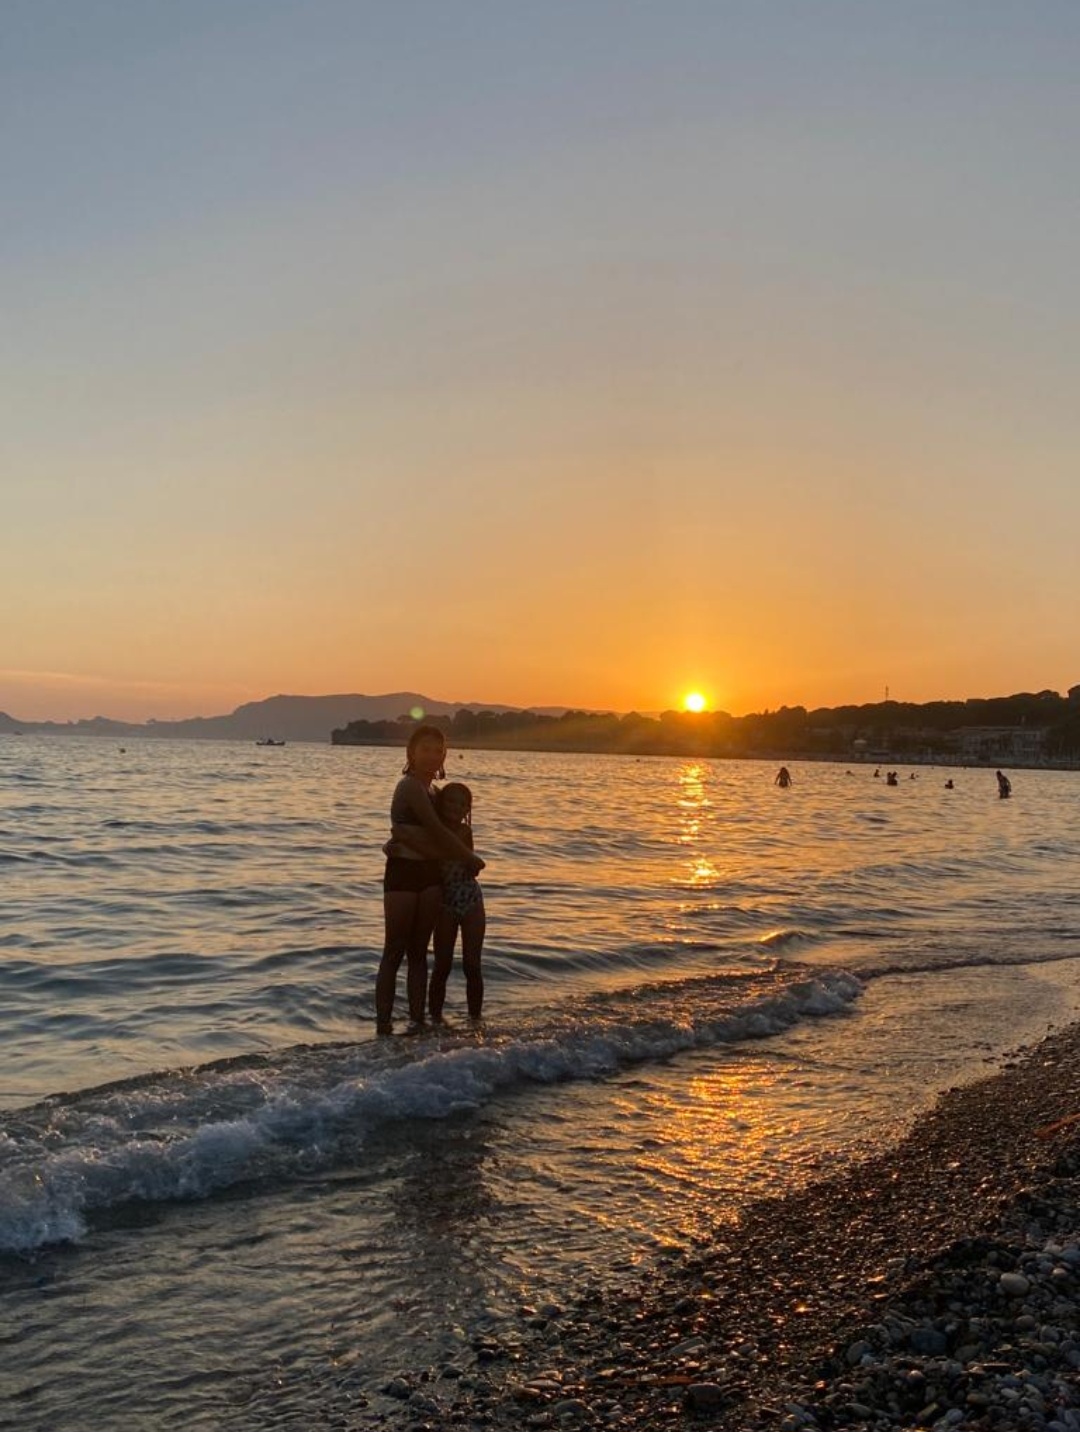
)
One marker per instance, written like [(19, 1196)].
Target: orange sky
[(583, 355)]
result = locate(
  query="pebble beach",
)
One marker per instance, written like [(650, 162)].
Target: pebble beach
[(931, 1285)]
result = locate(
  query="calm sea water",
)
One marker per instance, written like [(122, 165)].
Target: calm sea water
[(225, 1204)]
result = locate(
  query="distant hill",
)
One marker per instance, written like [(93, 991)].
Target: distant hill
[(283, 718)]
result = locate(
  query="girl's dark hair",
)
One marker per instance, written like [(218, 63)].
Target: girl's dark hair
[(420, 734), (454, 786)]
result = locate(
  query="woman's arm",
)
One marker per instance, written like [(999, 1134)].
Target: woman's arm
[(447, 845), (416, 838)]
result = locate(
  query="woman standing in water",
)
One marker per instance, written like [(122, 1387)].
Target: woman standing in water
[(412, 882)]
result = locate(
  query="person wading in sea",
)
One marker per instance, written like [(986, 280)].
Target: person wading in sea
[(413, 879)]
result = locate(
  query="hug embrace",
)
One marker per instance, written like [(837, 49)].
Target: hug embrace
[(429, 888)]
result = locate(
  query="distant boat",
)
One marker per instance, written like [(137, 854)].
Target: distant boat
[(269, 741)]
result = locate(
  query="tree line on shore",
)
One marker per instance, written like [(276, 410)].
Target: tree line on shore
[(898, 727)]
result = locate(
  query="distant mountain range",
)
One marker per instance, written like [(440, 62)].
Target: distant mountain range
[(278, 718), (315, 718)]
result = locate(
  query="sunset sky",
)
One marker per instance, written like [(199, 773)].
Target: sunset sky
[(578, 352)]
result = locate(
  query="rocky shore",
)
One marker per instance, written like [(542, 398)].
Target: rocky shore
[(934, 1285)]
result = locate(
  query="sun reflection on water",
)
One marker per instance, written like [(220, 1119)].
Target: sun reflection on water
[(694, 805), (699, 1142), (740, 1128)]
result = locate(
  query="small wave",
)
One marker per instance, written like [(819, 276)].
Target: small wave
[(298, 959), (196, 1132), (946, 961), (785, 938)]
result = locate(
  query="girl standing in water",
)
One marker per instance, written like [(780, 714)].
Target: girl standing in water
[(462, 909), (412, 882)]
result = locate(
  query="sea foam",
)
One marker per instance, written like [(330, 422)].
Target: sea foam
[(189, 1134)]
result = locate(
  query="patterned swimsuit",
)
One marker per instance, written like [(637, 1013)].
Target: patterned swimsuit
[(461, 891)]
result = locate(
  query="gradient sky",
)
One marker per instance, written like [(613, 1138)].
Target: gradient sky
[(569, 352)]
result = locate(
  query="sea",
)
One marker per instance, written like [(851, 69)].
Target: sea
[(226, 1204)]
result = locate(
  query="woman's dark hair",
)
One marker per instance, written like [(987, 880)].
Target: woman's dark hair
[(421, 734), (454, 786)]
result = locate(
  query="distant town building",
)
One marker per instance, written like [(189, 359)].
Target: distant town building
[(1001, 743)]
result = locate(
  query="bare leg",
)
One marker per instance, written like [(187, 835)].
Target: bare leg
[(473, 927), (429, 905), (399, 910), (445, 935)]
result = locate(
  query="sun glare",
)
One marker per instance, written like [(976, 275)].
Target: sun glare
[(694, 701)]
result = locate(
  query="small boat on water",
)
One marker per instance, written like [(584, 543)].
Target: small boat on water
[(269, 741)]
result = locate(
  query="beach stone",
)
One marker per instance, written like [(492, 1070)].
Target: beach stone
[(856, 1352), (704, 1396), (420, 1402), (1014, 1285), (569, 1407), (928, 1341), (688, 1348)]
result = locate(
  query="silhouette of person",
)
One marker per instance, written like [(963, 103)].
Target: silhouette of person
[(783, 777), (413, 881), (949, 784), (462, 909), (1004, 786)]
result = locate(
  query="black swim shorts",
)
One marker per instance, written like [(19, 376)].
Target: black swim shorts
[(411, 875)]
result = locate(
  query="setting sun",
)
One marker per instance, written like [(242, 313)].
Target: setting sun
[(694, 701)]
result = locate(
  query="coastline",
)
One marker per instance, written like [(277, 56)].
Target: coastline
[(662, 751), (934, 1284), (793, 757)]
